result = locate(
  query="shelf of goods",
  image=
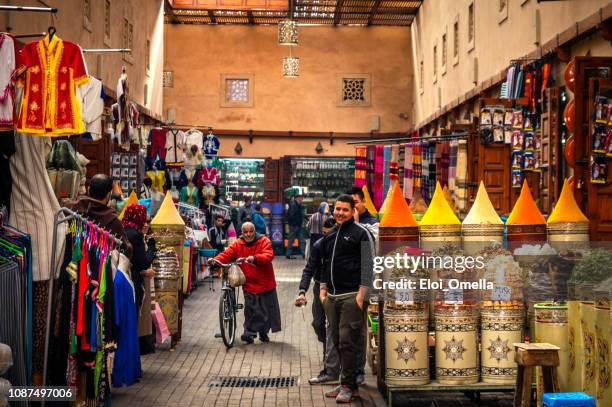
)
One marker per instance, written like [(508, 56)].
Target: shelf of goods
[(323, 178), (241, 177)]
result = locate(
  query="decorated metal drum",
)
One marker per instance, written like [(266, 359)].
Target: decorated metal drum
[(435, 236), (500, 329), (587, 325), (518, 235), (167, 279), (406, 345), (482, 225), (551, 326), (602, 340), (574, 336), (457, 346), (568, 235)]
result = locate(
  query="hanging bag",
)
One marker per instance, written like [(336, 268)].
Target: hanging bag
[(162, 333), (235, 276)]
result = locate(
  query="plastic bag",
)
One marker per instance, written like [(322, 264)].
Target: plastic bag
[(162, 333), (236, 277)]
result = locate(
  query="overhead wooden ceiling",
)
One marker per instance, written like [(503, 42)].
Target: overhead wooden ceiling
[(315, 12)]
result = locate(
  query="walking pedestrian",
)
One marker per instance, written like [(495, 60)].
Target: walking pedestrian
[(295, 220), (345, 280)]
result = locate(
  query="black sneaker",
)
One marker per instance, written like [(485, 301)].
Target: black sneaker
[(247, 339), (264, 337)]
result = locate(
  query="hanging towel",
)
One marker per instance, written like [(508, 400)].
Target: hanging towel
[(370, 159), (444, 162), (417, 166), (461, 183), (452, 168), (408, 175), (425, 169), (394, 164)]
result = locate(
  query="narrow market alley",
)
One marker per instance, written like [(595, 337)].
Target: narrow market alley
[(182, 377)]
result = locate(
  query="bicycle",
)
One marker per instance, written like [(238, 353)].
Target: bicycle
[(228, 305)]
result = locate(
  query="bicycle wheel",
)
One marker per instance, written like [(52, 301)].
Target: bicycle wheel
[(227, 318)]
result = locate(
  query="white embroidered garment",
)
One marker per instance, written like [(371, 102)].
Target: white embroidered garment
[(7, 76), (92, 107)]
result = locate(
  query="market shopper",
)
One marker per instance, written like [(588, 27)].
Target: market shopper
[(217, 234), (312, 271), (295, 220), (95, 207), (361, 214), (135, 225), (261, 310), (345, 280), (316, 221), (246, 212), (259, 221)]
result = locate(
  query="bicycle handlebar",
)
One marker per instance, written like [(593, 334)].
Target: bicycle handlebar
[(234, 263)]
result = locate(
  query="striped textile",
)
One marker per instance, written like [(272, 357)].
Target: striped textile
[(361, 166), (452, 168), (400, 165), (394, 163), (432, 169), (379, 166), (386, 170), (444, 154), (34, 204), (370, 160), (425, 168), (461, 183), (13, 319), (408, 175), (417, 166)]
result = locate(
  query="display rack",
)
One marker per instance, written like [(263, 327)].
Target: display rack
[(242, 177), (322, 178)]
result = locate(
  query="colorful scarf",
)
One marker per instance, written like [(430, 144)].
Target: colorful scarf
[(386, 169), (135, 216), (461, 186), (452, 167), (408, 173), (379, 166), (417, 166), (425, 167), (444, 154), (394, 164), (370, 159), (361, 166)]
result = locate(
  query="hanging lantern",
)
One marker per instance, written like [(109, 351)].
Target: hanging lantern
[(291, 67), (568, 115), (288, 32), (570, 75)]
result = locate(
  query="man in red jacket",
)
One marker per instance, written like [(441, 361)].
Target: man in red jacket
[(261, 311)]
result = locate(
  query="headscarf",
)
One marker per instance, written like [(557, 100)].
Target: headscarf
[(135, 216), (323, 207)]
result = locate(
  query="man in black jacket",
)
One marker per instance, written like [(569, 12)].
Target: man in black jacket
[(312, 271), (345, 279), (362, 215)]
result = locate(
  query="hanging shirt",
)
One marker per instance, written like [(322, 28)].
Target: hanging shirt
[(54, 70), (126, 368), (189, 195), (208, 176), (175, 141), (8, 70), (93, 107)]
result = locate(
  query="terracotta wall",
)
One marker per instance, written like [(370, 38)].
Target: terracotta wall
[(199, 55), (498, 40), (146, 17)]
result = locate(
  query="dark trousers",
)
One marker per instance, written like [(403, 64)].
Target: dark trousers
[(318, 313), (346, 323)]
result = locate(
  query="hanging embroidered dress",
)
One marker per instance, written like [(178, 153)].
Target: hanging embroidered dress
[(54, 68)]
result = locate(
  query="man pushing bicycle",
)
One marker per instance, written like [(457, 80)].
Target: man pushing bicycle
[(261, 311)]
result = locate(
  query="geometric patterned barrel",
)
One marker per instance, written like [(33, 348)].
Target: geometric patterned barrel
[(457, 346), (407, 349), (500, 328)]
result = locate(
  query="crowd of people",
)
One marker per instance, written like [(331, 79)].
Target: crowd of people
[(341, 276)]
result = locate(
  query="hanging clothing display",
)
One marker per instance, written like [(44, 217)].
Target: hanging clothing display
[(417, 166), (386, 168), (189, 195), (54, 69), (175, 143), (452, 166), (193, 153), (461, 183), (361, 166), (208, 175), (408, 174), (8, 71), (92, 96), (158, 179), (425, 167), (157, 146), (394, 164), (379, 164)]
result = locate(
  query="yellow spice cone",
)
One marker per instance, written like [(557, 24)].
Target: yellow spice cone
[(167, 213), (439, 211), (398, 212), (132, 199), (482, 212), (567, 210), (385, 205), (367, 202), (525, 211)]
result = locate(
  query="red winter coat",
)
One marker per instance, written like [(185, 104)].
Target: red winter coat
[(259, 276)]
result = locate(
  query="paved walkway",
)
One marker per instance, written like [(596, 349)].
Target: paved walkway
[(181, 378)]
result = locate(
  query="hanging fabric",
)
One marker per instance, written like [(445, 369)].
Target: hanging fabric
[(50, 106), (461, 183), (379, 165), (361, 166), (8, 70), (408, 171), (370, 162), (452, 168), (386, 169)]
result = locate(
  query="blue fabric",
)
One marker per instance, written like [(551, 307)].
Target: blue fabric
[(260, 223), (127, 369), (387, 162)]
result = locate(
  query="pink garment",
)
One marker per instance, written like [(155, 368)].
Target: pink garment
[(208, 176), (8, 64), (379, 167)]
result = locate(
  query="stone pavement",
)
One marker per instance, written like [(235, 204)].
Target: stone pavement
[(181, 378)]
